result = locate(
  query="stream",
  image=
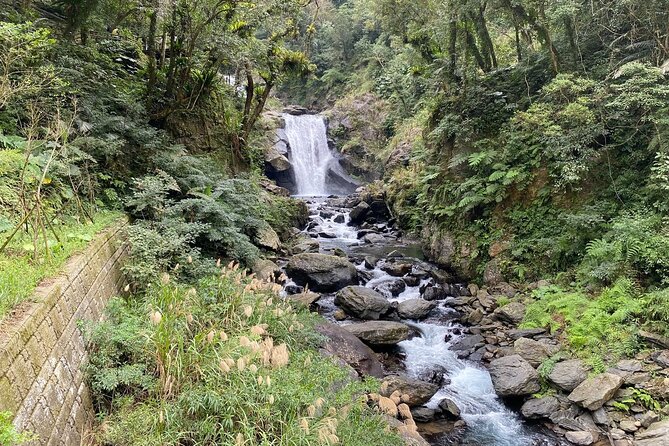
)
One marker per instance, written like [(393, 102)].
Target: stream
[(489, 422)]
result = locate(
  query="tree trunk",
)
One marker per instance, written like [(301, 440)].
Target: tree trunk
[(151, 50)]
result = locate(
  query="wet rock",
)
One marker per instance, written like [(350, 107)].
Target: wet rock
[(594, 392), (534, 352), (582, 438), (657, 434), (513, 312), (449, 409), (391, 287), (513, 376), (415, 309), (305, 246), (327, 213), (370, 262), (362, 302), (339, 218), (321, 272), (293, 289), (540, 407), (568, 374), (324, 234), (467, 342), (306, 298), (380, 332), (339, 315), (422, 414), (434, 293), (411, 280), (349, 348), (413, 391), (358, 213), (396, 269), (374, 239)]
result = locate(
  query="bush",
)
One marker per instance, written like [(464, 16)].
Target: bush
[(226, 363), (593, 327)]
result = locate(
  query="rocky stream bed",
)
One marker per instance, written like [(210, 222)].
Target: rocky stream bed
[(454, 366)]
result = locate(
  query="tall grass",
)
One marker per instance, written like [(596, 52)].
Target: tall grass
[(225, 363)]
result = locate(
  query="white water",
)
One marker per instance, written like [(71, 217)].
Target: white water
[(489, 422), (309, 153)]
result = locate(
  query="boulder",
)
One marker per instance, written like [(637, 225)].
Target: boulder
[(380, 332), (662, 358), (513, 376), (306, 298), (397, 269), (267, 270), (413, 391), (414, 309), (266, 237), (423, 414), (305, 246), (449, 409), (513, 312), (374, 239), (594, 392), (362, 302), (277, 161), (350, 349), (657, 434), (321, 272), (534, 352), (467, 342), (540, 407), (568, 374), (434, 293), (391, 287), (358, 213), (582, 438)]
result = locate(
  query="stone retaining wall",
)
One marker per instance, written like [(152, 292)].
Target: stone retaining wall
[(42, 348)]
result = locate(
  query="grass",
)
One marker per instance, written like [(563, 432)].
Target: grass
[(20, 272), (226, 363)]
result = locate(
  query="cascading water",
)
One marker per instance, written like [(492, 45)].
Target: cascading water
[(310, 155), (488, 421)]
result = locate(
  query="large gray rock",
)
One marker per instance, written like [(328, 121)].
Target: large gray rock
[(513, 312), (568, 374), (582, 438), (534, 352), (657, 434), (379, 332), (306, 245), (413, 391), (513, 376), (266, 237), (265, 269), (540, 407), (594, 392), (350, 349), (321, 272), (358, 213), (277, 160), (362, 302), (415, 308), (306, 298)]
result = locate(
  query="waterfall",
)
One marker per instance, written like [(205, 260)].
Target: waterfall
[(310, 155)]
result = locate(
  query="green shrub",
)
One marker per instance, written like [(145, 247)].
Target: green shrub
[(226, 363), (596, 327), (8, 434)]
